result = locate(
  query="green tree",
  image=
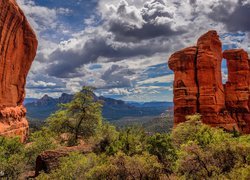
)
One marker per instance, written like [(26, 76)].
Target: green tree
[(131, 140), (80, 117), (161, 146)]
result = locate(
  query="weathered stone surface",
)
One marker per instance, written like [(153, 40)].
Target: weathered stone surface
[(18, 46), (237, 87), (185, 85), (49, 160), (209, 58), (220, 105)]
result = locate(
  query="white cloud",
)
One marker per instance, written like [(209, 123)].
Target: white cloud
[(162, 79), (245, 2), (119, 91), (39, 17), (42, 84), (131, 36)]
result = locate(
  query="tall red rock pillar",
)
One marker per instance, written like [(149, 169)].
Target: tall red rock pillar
[(211, 92), (237, 88), (185, 87), (18, 46)]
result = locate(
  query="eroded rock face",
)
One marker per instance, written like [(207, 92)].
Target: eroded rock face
[(198, 84), (237, 88), (185, 85), (18, 46)]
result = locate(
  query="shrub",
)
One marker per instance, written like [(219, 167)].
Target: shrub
[(161, 146), (12, 158)]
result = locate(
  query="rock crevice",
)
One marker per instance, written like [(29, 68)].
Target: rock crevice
[(201, 89), (197, 81)]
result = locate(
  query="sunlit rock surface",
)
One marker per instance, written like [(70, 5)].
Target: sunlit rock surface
[(18, 46), (198, 84)]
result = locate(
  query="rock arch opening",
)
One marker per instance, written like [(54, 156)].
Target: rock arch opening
[(224, 71)]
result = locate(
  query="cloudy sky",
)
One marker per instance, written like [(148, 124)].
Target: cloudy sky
[(121, 47)]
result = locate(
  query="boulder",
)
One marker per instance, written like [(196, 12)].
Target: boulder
[(50, 160)]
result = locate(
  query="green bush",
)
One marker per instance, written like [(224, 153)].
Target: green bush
[(12, 158), (40, 141), (119, 166), (192, 151), (105, 136), (161, 146), (130, 141), (205, 152)]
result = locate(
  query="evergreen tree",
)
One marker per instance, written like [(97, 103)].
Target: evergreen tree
[(79, 118)]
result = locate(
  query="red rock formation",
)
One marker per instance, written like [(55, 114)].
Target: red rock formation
[(18, 46), (185, 85), (201, 78), (237, 88), (209, 58)]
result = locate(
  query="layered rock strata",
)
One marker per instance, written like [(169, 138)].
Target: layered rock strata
[(18, 46), (198, 86)]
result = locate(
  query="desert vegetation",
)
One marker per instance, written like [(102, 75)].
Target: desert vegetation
[(192, 150)]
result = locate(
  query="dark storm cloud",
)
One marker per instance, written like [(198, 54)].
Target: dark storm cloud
[(132, 32), (147, 31), (148, 28), (36, 81), (192, 1), (115, 77), (237, 20), (66, 62)]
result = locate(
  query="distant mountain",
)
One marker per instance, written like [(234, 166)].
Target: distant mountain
[(151, 104), (30, 100), (112, 109)]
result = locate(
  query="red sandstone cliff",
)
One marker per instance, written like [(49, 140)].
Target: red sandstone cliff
[(18, 46), (198, 84)]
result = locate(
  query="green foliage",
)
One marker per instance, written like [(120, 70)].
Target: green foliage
[(17, 158), (120, 166), (75, 166), (194, 130), (81, 117), (104, 137), (156, 124), (12, 158), (206, 152), (40, 141), (192, 151), (195, 162), (238, 173), (144, 166), (161, 146), (193, 118), (130, 141)]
